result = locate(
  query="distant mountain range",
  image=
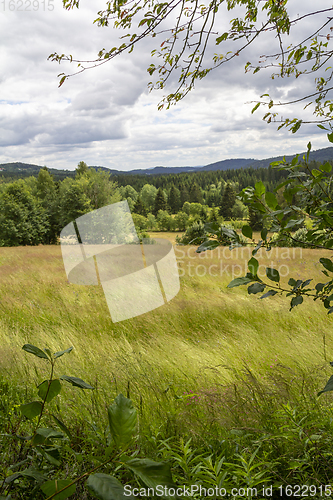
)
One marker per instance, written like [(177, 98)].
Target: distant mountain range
[(24, 169)]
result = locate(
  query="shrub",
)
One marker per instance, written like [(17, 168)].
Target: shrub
[(195, 234), (164, 221), (140, 222), (151, 222), (280, 240), (181, 221)]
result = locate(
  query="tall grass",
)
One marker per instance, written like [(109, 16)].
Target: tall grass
[(211, 357)]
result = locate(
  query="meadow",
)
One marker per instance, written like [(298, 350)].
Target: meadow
[(227, 370)]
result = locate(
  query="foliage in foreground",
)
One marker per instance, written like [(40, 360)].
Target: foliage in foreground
[(43, 446), (313, 187), (290, 447), (182, 45)]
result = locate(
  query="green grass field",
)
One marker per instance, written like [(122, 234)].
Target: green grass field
[(237, 375), (202, 342)]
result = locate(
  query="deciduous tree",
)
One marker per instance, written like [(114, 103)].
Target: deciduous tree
[(23, 220)]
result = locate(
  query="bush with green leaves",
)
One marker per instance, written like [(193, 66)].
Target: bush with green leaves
[(199, 232), (299, 239), (151, 222), (181, 221), (195, 234), (140, 222), (165, 221), (23, 220), (313, 187)]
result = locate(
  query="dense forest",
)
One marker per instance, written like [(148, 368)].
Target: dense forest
[(34, 209)]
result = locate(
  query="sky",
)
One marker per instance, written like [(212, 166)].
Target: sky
[(107, 117)]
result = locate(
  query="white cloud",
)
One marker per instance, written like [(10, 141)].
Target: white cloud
[(106, 116)]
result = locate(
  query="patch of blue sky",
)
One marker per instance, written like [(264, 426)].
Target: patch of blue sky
[(12, 103)]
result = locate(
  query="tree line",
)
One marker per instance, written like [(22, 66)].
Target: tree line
[(34, 210)]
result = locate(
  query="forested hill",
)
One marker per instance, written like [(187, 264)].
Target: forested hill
[(19, 169)]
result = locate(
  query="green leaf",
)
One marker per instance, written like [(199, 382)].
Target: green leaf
[(271, 200), (328, 387), (255, 107), (259, 189), (270, 293), (276, 163), (52, 455), (327, 167), (256, 288), (122, 420), (30, 472), (319, 287), (255, 250), (253, 265), (48, 352), (263, 233), (247, 231), (330, 137), (259, 208), (35, 350), (49, 433), (294, 283), (221, 38), (77, 382), (239, 281), (60, 353), (327, 263), (296, 127), (150, 472), (60, 83), (272, 274), (51, 487), (316, 172), (295, 301), (212, 227), (42, 436), (54, 389), (207, 245), (306, 283), (31, 410), (62, 426), (106, 487)]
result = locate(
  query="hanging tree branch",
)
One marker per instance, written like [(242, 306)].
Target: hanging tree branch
[(192, 60)]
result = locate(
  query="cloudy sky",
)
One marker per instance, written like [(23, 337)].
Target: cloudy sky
[(107, 117)]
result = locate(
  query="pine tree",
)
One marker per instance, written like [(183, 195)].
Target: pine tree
[(81, 168), (195, 194), (184, 195), (139, 207), (174, 200), (160, 202), (213, 215), (255, 220), (228, 201)]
